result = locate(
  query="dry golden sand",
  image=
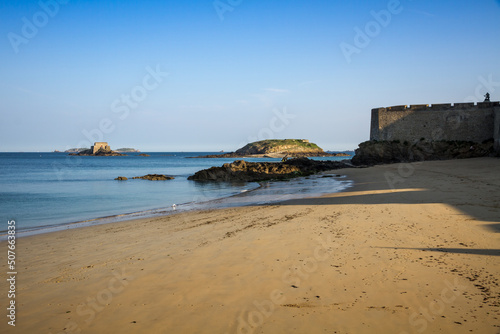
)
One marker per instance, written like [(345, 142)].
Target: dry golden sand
[(420, 258)]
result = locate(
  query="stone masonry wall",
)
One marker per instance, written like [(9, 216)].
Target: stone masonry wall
[(98, 145), (461, 121), (497, 129)]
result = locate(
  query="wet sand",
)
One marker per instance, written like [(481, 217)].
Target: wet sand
[(410, 248)]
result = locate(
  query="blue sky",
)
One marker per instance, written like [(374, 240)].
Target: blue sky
[(214, 75)]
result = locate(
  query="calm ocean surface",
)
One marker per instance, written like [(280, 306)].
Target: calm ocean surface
[(41, 190)]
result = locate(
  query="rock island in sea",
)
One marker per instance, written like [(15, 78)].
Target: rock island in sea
[(278, 148), (99, 149), (262, 171), (298, 165)]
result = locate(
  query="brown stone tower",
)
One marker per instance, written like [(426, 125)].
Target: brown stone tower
[(100, 146)]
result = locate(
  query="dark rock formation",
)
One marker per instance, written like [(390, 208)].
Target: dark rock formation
[(234, 155), (384, 152), (121, 178), (100, 153), (143, 155), (155, 177), (261, 171), (340, 154)]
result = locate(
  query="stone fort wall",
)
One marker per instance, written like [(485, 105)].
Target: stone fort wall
[(100, 145), (459, 121)]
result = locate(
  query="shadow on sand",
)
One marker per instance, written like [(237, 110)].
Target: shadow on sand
[(473, 251), (449, 186)]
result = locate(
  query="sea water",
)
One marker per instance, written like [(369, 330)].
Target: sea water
[(46, 190)]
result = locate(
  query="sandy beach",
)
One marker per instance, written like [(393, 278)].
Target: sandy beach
[(410, 248)]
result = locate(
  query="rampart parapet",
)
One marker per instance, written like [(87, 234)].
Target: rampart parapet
[(440, 106)]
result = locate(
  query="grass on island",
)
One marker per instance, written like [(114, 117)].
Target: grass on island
[(272, 143)]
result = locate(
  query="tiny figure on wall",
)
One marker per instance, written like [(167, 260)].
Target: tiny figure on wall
[(487, 97)]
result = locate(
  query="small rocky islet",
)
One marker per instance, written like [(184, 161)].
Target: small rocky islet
[(102, 149), (150, 177), (295, 163), (278, 148), (99, 149)]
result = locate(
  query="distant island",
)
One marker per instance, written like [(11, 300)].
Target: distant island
[(99, 149), (278, 148), (76, 150), (127, 150), (81, 149)]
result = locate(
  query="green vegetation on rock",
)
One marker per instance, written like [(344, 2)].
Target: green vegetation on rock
[(127, 149), (278, 148), (288, 146)]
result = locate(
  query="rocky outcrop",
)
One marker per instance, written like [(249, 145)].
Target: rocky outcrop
[(290, 146), (100, 153), (127, 150), (234, 155), (277, 148), (121, 178), (261, 171), (155, 177), (143, 155), (340, 154), (384, 152)]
